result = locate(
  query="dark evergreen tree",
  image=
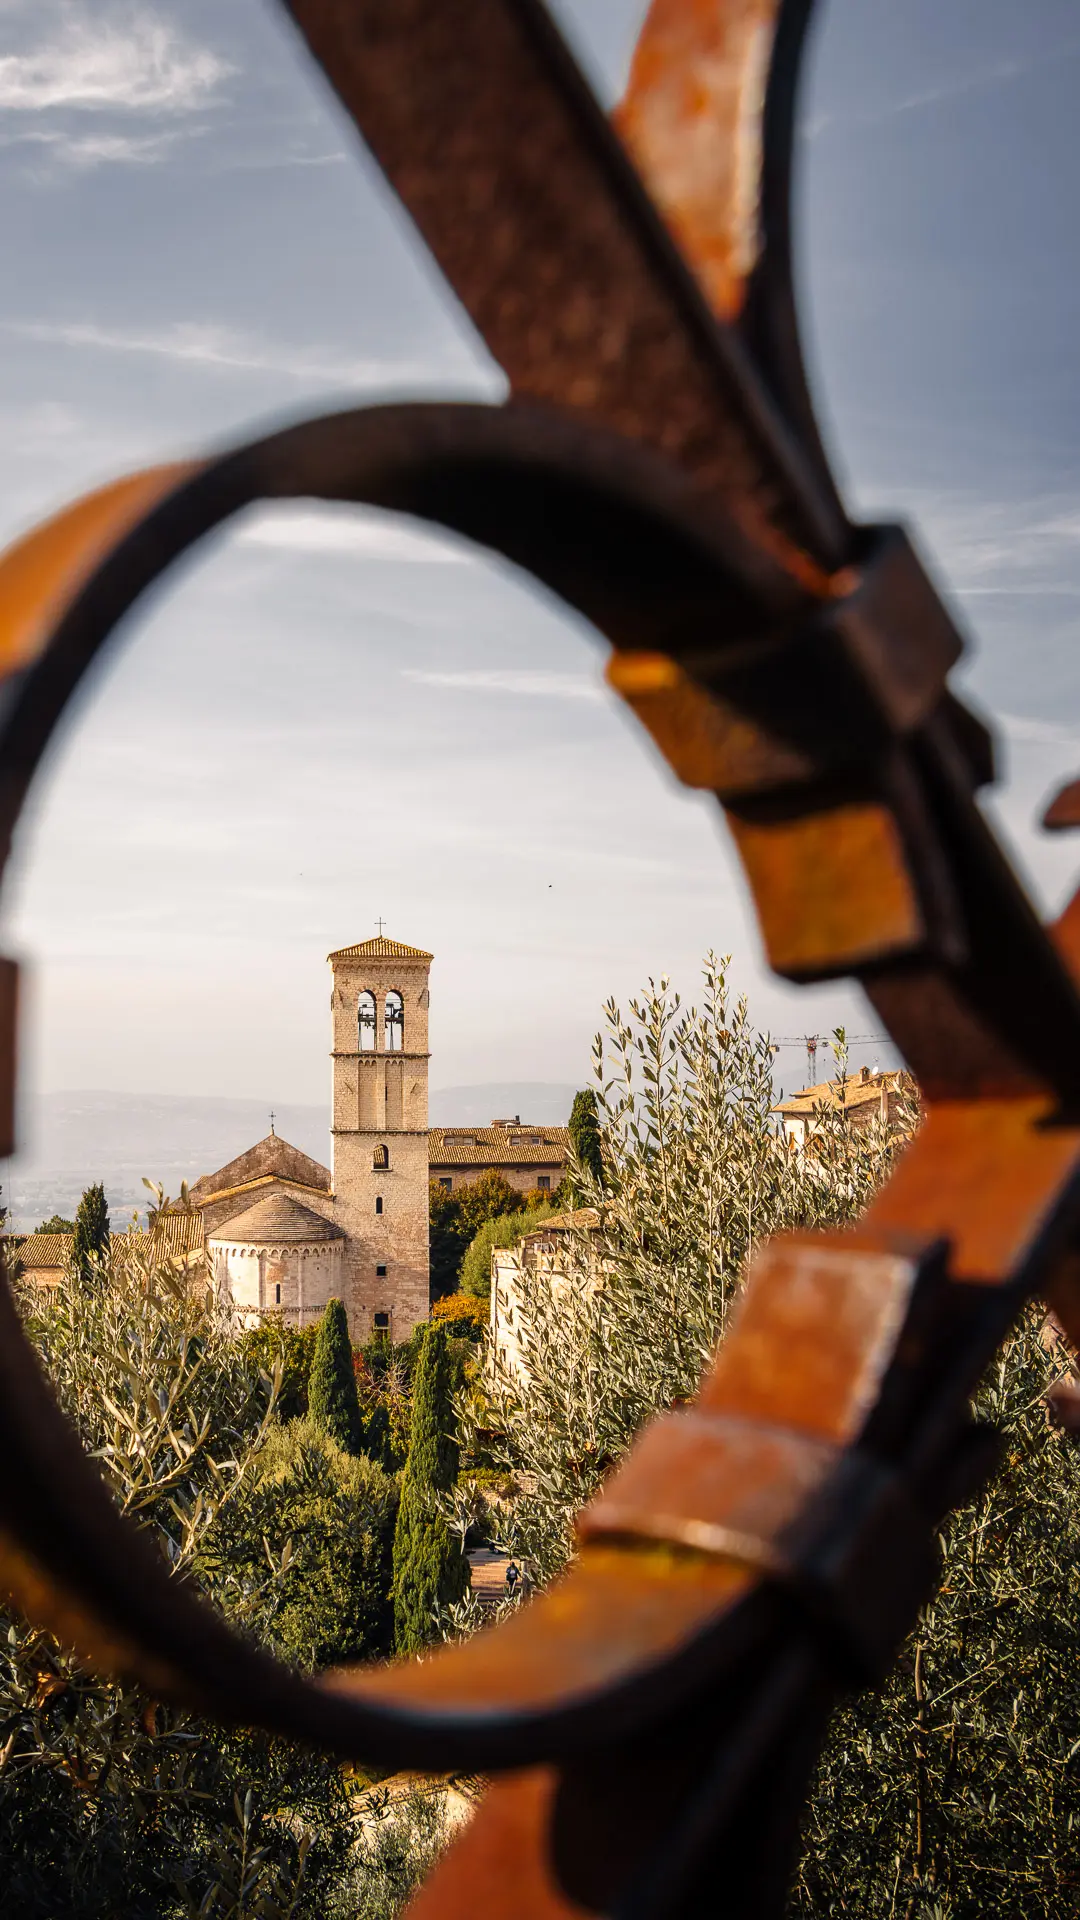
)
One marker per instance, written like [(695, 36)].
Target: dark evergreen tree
[(585, 1138), (333, 1403), (90, 1247), (430, 1570)]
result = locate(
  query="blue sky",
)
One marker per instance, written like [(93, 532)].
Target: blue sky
[(333, 717)]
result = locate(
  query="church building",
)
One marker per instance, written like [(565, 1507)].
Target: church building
[(284, 1234)]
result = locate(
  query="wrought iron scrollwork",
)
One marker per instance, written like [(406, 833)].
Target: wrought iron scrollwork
[(653, 1717)]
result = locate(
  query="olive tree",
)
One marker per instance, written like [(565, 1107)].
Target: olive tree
[(695, 1174), (955, 1791), (111, 1802)]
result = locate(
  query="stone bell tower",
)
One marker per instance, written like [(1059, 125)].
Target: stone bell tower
[(379, 1127)]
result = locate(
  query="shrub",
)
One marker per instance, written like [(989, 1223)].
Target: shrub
[(277, 1348), (463, 1316), (506, 1230), (320, 1522), (384, 1375)]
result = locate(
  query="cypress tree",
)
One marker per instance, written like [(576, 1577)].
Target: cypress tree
[(430, 1569), (333, 1402), (90, 1246), (585, 1135)]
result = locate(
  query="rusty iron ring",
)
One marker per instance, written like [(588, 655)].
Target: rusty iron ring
[(607, 527), (610, 528), (754, 1555)]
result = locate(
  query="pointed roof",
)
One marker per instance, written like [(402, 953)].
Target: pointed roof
[(277, 1221), (271, 1156), (380, 948)]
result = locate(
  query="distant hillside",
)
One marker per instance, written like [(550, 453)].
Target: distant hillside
[(75, 1138), (545, 1101)]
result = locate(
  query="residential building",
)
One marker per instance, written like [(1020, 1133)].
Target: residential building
[(527, 1157), (548, 1249), (866, 1097)]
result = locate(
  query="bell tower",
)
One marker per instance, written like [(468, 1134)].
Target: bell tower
[(379, 1130)]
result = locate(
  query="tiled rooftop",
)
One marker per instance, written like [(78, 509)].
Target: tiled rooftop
[(515, 1146), (830, 1093), (277, 1221), (271, 1157), (380, 948), (43, 1249), (173, 1235)]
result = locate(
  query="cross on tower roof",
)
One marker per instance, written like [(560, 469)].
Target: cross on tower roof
[(380, 923), (273, 1116)]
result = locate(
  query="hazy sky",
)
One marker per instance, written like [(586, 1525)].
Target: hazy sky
[(333, 717)]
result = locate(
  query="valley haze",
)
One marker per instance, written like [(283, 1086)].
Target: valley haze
[(73, 1138)]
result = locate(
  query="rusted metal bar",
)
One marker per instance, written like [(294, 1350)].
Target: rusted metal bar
[(657, 1711)]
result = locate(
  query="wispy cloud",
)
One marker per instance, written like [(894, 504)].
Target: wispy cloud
[(205, 344), (134, 61), (987, 78), (82, 151), (994, 547), (358, 533), (520, 683)]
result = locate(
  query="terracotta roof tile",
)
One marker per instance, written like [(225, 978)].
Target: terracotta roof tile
[(380, 948), (277, 1221), (271, 1156), (43, 1250), (857, 1093), (578, 1220), (498, 1146), (178, 1232), (173, 1235)]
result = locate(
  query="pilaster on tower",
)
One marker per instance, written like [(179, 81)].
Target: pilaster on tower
[(379, 1022)]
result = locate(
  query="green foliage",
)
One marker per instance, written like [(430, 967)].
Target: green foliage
[(585, 1141), (446, 1245), (696, 1174), (455, 1218), (56, 1224), (332, 1400), (955, 1792), (384, 1376), (277, 1348), (90, 1248), (110, 1803), (505, 1230), (404, 1834), (321, 1523), (430, 1571)]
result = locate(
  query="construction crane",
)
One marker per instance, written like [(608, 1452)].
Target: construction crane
[(812, 1041)]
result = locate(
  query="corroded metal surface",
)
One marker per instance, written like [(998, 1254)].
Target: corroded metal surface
[(657, 1711)]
